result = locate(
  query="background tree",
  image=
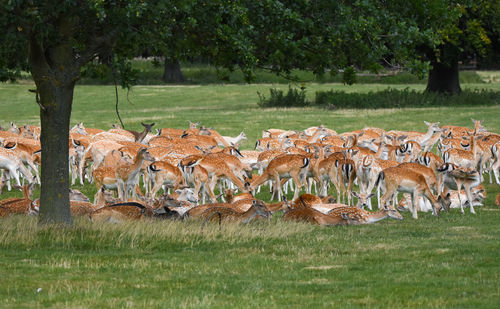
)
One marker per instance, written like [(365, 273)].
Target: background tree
[(460, 31)]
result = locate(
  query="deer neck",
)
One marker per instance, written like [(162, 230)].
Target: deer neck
[(141, 136), (275, 207), (377, 216), (137, 164), (249, 215), (427, 136), (380, 151)]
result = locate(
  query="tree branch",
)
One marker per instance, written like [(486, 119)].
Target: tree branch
[(98, 45)]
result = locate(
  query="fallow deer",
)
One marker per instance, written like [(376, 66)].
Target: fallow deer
[(197, 176), (396, 179), (127, 175), (235, 140), (313, 216), (139, 137), (10, 162), (455, 177), (284, 166), (162, 173), (19, 205), (122, 212), (258, 209), (360, 216), (216, 168), (26, 152)]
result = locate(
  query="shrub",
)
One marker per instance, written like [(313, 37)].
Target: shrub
[(294, 98), (393, 98)]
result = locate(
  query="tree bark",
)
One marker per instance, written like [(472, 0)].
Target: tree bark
[(55, 72), (443, 78), (172, 72), (55, 122)]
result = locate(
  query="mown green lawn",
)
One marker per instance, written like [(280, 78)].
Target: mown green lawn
[(451, 261)]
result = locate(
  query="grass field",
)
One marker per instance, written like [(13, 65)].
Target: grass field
[(445, 262)]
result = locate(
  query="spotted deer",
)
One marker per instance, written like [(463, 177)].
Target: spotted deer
[(26, 153), (11, 163), (258, 209), (235, 140), (19, 205), (455, 177), (360, 216), (284, 166), (127, 175), (313, 216), (163, 173), (401, 179), (215, 167)]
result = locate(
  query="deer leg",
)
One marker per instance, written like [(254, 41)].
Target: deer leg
[(6, 179), (13, 173), (298, 184), (414, 201), (349, 189), (119, 188), (333, 178), (467, 188), (155, 189), (495, 167), (277, 186)]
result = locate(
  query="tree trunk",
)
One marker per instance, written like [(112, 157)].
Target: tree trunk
[(172, 72), (443, 78), (55, 122), (55, 72)]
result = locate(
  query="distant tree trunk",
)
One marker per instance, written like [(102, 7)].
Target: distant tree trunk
[(55, 74), (443, 78), (172, 72)]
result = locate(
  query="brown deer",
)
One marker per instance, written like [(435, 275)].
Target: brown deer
[(229, 214), (360, 216), (311, 215)]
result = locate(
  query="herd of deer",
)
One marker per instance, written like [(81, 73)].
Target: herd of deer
[(192, 162)]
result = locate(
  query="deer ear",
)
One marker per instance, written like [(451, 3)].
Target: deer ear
[(427, 123), (355, 194)]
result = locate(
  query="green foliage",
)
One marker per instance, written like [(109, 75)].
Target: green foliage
[(395, 98), (293, 98), (349, 76)]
